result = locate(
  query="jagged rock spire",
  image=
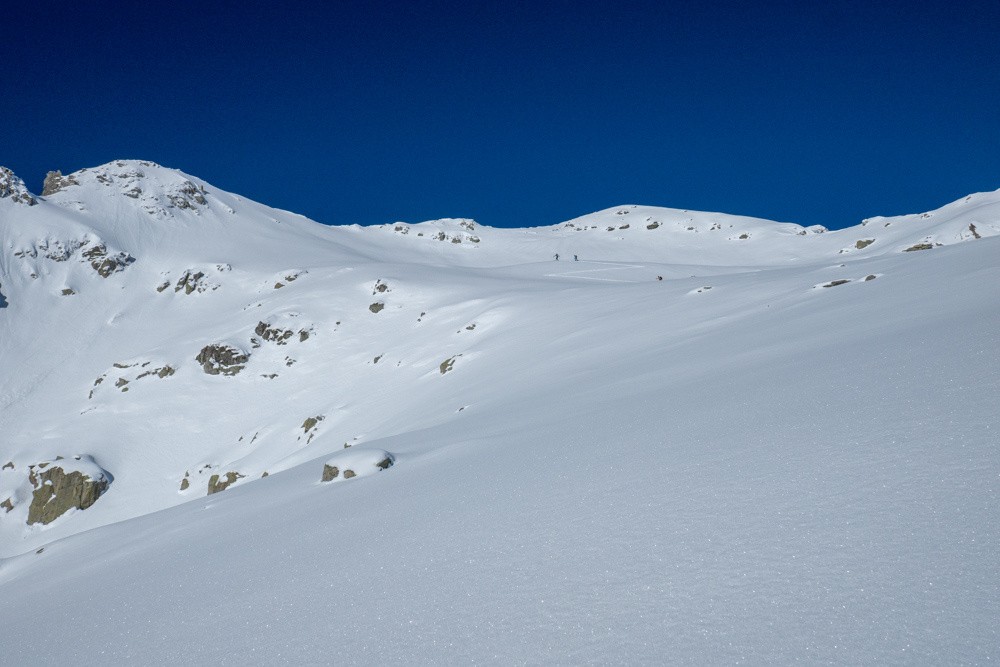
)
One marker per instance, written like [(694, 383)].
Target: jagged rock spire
[(55, 181)]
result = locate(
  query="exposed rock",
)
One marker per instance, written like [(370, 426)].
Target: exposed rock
[(9, 465), (68, 292), (9, 506), (871, 276), (53, 249), (13, 188), (185, 484), (273, 334), (652, 225), (376, 307), (834, 283), (919, 246), (191, 281), (188, 196), (163, 372), (106, 264), (289, 277), (975, 234), (356, 462), (380, 287), (447, 364), (310, 422), (55, 181), (216, 484), (222, 359), (864, 243), (58, 491)]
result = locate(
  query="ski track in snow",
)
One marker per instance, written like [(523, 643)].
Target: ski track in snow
[(615, 266)]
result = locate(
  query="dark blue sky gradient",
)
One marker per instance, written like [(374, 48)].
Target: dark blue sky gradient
[(520, 113)]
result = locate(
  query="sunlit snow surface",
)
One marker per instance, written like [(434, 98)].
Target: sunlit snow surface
[(735, 463)]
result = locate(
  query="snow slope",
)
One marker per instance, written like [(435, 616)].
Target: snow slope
[(748, 460)]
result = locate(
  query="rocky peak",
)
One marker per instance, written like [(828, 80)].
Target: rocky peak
[(156, 189), (13, 188)]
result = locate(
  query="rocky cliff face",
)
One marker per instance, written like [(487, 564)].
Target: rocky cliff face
[(55, 181), (56, 491), (13, 188)]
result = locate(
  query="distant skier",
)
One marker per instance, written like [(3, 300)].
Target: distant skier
[(659, 277), (575, 258), (557, 257)]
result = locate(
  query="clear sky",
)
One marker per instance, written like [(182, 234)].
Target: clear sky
[(518, 113)]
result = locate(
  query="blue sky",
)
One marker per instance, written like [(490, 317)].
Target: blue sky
[(518, 113)]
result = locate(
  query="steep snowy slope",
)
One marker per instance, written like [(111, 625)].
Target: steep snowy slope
[(785, 449)]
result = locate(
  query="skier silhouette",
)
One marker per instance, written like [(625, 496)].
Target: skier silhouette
[(557, 257), (575, 258)]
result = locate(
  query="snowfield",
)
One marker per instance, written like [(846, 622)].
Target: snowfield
[(711, 439)]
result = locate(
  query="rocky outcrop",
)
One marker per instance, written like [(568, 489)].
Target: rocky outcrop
[(309, 427), (196, 280), (289, 277), (279, 335), (55, 181), (217, 483), (356, 463), (13, 188), (448, 364), (221, 359), (190, 282), (273, 334), (129, 372), (310, 423), (106, 263), (62, 486), (188, 195)]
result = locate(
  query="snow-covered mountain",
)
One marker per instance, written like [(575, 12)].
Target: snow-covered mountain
[(709, 438)]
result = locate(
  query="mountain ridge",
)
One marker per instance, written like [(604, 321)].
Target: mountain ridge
[(235, 434)]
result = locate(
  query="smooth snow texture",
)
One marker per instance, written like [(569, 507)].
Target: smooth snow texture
[(743, 460)]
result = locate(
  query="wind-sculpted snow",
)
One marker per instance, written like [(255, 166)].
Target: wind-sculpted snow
[(694, 437)]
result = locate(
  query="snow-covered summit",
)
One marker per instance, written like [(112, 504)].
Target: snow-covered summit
[(157, 190)]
